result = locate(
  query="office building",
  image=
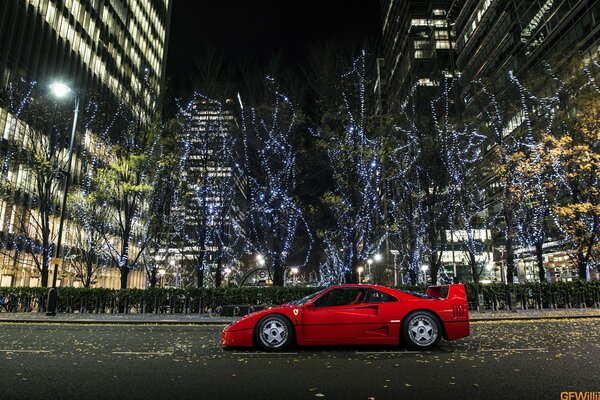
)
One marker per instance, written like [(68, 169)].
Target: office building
[(115, 49)]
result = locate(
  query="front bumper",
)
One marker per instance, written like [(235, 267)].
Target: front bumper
[(241, 338)]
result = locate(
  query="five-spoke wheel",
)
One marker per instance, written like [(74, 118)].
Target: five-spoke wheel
[(421, 330), (273, 332)]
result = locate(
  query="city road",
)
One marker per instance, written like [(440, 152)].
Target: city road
[(500, 360)]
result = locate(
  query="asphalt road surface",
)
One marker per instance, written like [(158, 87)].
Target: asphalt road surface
[(500, 360)]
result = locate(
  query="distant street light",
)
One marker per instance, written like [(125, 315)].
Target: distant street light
[(360, 271), (61, 90), (294, 272), (424, 269)]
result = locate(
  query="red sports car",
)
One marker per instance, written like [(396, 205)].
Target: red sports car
[(357, 314)]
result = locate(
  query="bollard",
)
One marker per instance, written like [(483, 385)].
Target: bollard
[(480, 303), (524, 305), (186, 305), (41, 304), (27, 305), (156, 305), (512, 301), (582, 303)]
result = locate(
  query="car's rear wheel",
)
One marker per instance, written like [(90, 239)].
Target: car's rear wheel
[(273, 333), (421, 330)]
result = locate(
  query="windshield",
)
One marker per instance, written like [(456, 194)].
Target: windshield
[(303, 300)]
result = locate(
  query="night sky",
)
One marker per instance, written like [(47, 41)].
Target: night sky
[(256, 29)]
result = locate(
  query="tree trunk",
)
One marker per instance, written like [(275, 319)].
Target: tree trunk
[(582, 265), (124, 274), (474, 269), (200, 274), (413, 276), (200, 268), (510, 252), (153, 277), (539, 255), (219, 271)]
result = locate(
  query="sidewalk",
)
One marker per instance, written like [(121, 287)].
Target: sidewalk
[(561, 313), (205, 319), (126, 319)]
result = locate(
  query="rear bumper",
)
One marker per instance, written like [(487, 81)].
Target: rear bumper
[(241, 338), (456, 329)]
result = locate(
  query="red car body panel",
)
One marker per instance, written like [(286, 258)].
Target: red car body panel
[(362, 323)]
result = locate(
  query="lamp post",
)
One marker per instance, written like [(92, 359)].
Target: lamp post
[(395, 254), (369, 263), (61, 90)]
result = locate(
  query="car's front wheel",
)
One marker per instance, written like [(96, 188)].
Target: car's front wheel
[(421, 330), (273, 333)]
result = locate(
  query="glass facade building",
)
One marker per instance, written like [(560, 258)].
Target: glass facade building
[(115, 49)]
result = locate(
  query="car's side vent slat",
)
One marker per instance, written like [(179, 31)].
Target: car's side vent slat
[(458, 311)]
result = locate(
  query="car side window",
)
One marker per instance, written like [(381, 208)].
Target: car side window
[(375, 296), (341, 297)]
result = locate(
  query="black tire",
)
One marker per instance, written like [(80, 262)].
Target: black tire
[(421, 330), (274, 333)]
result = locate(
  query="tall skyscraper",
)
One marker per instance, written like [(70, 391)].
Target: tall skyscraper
[(112, 48), (106, 45), (495, 37), (417, 45)]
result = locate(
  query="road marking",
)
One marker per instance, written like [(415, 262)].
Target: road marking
[(389, 352), (24, 351), (501, 350), (263, 354), (144, 353)]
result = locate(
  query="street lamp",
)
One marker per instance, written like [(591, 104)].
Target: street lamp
[(425, 268), (177, 276), (360, 271), (369, 263), (294, 272), (60, 90)]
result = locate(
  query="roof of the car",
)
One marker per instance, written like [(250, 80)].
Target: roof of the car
[(386, 289)]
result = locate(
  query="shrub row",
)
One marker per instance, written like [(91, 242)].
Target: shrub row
[(494, 296)]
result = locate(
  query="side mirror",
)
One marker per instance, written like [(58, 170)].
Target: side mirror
[(308, 304)]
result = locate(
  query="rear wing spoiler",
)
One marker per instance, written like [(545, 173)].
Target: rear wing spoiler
[(454, 292)]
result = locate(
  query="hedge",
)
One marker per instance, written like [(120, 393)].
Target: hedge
[(208, 300)]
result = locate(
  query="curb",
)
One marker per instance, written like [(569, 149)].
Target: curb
[(533, 318), (108, 322)]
